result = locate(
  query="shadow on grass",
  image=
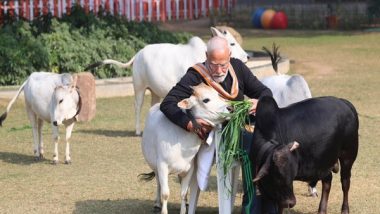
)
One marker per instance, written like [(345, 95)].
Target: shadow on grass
[(21, 159), (129, 206), (133, 206), (109, 133)]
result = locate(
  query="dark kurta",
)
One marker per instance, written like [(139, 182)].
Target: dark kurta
[(249, 85)]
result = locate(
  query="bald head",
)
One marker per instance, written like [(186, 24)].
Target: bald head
[(217, 43)]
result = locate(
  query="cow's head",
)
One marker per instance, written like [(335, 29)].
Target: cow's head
[(236, 50), (206, 104), (65, 104), (276, 174), (277, 161)]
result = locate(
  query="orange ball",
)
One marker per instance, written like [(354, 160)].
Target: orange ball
[(266, 18)]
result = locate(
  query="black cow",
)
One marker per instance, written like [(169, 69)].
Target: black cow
[(303, 142)]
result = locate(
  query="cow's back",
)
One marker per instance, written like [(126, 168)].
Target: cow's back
[(160, 66), (164, 141), (287, 89), (325, 128), (39, 90)]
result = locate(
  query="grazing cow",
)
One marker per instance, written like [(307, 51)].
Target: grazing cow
[(160, 66), (325, 129), (52, 98), (169, 149)]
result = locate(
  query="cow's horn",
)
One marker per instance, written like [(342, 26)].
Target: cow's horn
[(294, 146), (263, 170)]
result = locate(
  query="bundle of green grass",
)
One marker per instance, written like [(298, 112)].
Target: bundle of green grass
[(230, 148)]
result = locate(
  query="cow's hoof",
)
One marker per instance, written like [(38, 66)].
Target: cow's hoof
[(36, 158), (314, 195), (55, 162), (156, 209), (67, 162)]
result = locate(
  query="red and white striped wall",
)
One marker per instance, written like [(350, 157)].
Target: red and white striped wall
[(132, 10)]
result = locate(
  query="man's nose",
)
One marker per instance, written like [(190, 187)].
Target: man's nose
[(219, 70)]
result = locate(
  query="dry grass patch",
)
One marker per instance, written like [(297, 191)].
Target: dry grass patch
[(107, 156)]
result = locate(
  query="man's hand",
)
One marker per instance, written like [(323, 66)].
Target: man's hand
[(254, 105), (204, 129)]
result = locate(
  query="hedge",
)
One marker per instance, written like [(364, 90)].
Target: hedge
[(72, 42)]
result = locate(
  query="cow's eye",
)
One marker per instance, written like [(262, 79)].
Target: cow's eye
[(206, 100), (60, 101), (232, 44)]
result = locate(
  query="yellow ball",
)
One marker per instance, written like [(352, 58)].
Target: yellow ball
[(267, 17)]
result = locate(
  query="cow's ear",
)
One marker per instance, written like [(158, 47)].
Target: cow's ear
[(215, 32), (263, 170), (187, 103), (293, 146)]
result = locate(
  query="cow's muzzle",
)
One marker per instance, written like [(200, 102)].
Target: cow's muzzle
[(55, 123)]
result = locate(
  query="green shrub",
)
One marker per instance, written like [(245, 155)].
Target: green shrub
[(71, 43), (20, 53)]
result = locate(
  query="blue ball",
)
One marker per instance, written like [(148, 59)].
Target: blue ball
[(256, 17)]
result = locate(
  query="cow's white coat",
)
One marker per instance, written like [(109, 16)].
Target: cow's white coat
[(52, 98), (158, 67), (169, 149), (287, 89)]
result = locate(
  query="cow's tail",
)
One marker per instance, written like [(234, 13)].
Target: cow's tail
[(4, 115), (110, 61), (147, 176), (274, 56)]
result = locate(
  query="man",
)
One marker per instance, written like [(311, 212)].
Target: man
[(229, 76)]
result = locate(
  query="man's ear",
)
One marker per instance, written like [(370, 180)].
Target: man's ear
[(187, 103)]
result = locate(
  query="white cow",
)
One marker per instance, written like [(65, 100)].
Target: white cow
[(169, 149), (52, 98), (287, 89), (159, 67)]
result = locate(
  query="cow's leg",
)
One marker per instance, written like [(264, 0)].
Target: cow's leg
[(313, 189), (163, 174), (55, 140), (157, 203), (155, 98), (185, 183), (34, 122), (69, 129), (326, 186), (41, 143), (345, 179), (139, 100)]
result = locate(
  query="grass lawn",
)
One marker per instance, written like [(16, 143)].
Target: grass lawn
[(107, 156)]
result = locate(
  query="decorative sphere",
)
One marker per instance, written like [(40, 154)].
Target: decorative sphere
[(256, 18), (279, 21), (267, 17)]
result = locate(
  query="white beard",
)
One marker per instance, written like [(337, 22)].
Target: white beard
[(219, 79)]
